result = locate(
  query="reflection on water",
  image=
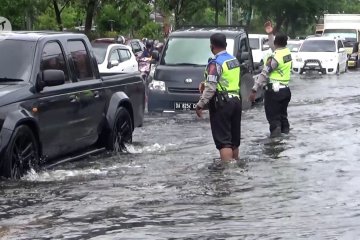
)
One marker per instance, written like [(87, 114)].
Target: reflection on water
[(300, 186)]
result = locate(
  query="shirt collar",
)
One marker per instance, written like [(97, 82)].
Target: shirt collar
[(219, 53)]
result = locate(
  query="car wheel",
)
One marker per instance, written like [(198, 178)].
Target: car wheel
[(338, 69), (121, 132), (21, 155)]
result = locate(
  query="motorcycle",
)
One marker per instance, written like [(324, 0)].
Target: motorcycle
[(144, 68)]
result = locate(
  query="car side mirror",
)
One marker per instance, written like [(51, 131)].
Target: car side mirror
[(155, 55), (266, 47), (53, 77), (341, 50), (295, 50), (113, 63)]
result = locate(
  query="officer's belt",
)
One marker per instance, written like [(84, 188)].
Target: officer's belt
[(231, 94), (281, 84)]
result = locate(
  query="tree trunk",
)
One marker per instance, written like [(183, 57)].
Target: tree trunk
[(90, 10), (58, 15), (216, 12), (278, 21), (249, 16)]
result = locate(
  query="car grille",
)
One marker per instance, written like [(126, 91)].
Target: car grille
[(183, 90), (312, 61)]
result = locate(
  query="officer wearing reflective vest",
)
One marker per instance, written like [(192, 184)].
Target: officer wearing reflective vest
[(221, 93), (275, 78)]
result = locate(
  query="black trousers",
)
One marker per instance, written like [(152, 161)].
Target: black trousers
[(225, 123), (276, 104)]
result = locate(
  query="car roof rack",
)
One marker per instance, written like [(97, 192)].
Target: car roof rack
[(212, 27)]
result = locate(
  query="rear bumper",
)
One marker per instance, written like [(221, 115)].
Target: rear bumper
[(352, 63)]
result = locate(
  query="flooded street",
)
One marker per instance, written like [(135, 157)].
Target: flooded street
[(301, 186)]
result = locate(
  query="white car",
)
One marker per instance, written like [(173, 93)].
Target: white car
[(112, 58), (259, 47), (325, 55), (294, 46)]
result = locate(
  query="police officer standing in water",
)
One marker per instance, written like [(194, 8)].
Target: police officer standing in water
[(275, 78), (221, 92)]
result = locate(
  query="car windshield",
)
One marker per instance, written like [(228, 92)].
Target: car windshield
[(16, 59), (318, 46), (190, 51), (100, 52), (291, 46), (254, 43), (347, 35)]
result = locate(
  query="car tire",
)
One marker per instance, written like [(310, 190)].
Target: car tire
[(21, 154), (338, 70), (121, 131)]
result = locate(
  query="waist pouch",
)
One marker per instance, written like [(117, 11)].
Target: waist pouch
[(220, 99)]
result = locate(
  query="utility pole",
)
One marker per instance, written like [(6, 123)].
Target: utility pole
[(229, 9)]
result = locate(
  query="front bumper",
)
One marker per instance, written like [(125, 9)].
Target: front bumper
[(314, 65), (162, 101)]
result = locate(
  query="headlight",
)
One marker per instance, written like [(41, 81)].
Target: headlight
[(298, 59), (157, 85)]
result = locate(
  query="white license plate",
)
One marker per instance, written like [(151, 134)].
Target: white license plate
[(184, 106)]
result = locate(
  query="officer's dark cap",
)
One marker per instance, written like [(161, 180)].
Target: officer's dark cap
[(280, 40), (218, 40)]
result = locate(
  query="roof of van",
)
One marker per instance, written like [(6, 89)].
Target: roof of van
[(207, 31)]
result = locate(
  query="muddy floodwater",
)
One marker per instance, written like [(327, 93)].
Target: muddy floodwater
[(302, 186)]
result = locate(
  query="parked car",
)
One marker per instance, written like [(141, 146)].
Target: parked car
[(181, 66), (115, 58), (136, 45), (294, 46), (321, 54), (259, 47), (54, 103)]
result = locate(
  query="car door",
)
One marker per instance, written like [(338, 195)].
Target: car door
[(91, 93), (57, 107), (125, 56), (114, 56)]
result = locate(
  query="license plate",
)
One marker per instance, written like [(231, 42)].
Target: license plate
[(184, 106)]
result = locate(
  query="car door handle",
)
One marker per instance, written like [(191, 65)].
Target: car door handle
[(74, 98), (96, 94)]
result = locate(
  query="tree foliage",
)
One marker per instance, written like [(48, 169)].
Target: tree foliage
[(132, 16)]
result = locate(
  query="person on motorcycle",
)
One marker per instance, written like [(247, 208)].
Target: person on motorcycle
[(120, 39), (148, 50)]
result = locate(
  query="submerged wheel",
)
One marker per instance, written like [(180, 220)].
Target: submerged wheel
[(21, 155), (121, 132)]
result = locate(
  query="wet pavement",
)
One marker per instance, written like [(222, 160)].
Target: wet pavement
[(301, 186)]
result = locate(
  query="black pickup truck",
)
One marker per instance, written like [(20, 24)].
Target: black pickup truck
[(55, 103)]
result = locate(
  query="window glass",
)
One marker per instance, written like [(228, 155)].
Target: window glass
[(53, 58), (81, 59), (114, 56), (340, 45), (124, 54), (318, 46), (254, 43), (135, 47), (193, 51), (16, 53)]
